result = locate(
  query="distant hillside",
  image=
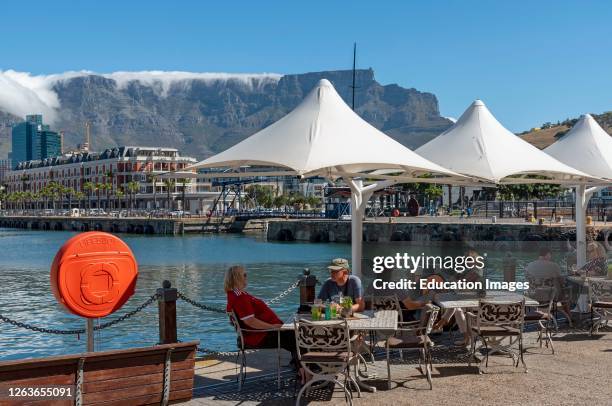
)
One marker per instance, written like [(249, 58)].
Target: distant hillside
[(203, 114), (549, 133)]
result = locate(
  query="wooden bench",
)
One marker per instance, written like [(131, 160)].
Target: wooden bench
[(120, 377)]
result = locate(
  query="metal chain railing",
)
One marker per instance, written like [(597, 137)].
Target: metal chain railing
[(210, 308), (218, 353), (201, 305), (40, 329), (78, 332), (126, 316), (284, 293)]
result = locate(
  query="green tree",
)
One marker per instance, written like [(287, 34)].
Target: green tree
[(132, 188), (79, 196), (170, 184), (119, 195), (152, 178), (89, 188), (280, 201)]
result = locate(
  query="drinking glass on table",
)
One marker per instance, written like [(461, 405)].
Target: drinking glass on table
[(317, 309)]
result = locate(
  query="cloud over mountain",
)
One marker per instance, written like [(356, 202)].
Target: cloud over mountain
[(199, 113), (22, 93)]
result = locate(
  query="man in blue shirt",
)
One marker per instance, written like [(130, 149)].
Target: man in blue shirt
[(341, 282)]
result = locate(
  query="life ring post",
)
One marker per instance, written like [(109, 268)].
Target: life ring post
[(166, 301)]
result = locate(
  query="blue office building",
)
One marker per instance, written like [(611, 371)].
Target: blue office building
[(32, 140)]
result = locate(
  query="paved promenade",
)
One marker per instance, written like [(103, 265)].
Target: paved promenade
[(578, 374)]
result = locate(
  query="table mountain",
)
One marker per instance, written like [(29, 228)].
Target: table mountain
[(203, 117)]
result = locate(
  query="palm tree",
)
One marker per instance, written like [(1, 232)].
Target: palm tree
[(28, 197), (89, 187), (99, 187), (119, 194), (3, 197), (51, 188), (36, 199), (183, 194), (69, 192), (79, 196), (132, 188), (109, 190), (153, 179), (45, 193), (169, 183)]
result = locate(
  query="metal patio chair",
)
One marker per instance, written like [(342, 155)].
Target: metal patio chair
[(601, 304), (414, 335), (324, 351), (497, 320), (242, 347), (542, 314), (561, 292)]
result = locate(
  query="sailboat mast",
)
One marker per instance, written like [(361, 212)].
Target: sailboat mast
[(354, 63)]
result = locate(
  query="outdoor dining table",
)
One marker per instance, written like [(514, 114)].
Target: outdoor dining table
[(384, 321), (454, 300)]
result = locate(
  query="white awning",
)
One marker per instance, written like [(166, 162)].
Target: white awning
[(323, 137), (478, 145), (586, 147)]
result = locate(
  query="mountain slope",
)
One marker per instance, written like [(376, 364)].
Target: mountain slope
[(544, 137), (202, 117)]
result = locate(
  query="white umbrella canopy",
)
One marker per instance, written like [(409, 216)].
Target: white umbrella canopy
[(478, 145), (589, 148), (586, 147), (322, 136)]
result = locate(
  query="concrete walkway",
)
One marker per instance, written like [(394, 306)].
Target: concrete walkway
[(578, 374)]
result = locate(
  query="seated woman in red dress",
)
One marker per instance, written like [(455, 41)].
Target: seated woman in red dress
[(254, 314)]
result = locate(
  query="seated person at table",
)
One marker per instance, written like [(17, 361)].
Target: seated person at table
[(411, 301), (254, 314), (340, 282), (471, 275), (544, 269)]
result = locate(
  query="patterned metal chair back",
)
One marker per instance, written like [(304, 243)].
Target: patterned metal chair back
[(236, 324), (501, 313), (322, 336), (601, 290), (542, 294), (389, 302), (541, 282), (432, 313)]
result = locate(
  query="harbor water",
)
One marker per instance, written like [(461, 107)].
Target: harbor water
[(195, 265)]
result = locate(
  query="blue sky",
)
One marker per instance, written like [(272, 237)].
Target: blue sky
[(530, 61)]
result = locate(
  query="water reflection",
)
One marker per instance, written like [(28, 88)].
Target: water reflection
[(194, 264)]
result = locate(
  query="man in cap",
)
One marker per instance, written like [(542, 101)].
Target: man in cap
[(341, 282)]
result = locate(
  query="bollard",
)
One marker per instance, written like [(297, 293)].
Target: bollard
[(307, 289), (509, 267), (167, 313)]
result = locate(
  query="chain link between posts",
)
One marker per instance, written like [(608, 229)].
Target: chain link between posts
[(284, 293), (214, 309), (78, 332)]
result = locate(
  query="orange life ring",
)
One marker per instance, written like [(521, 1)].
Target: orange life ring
[(93, 274)]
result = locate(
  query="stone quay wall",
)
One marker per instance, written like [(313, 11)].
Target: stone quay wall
[(135, 225), (340, 231)]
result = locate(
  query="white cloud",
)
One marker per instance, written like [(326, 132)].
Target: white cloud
[(22, 93)]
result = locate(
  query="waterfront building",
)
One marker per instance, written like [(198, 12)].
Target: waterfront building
[(5, 167), (33, 140), (121, 177)]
